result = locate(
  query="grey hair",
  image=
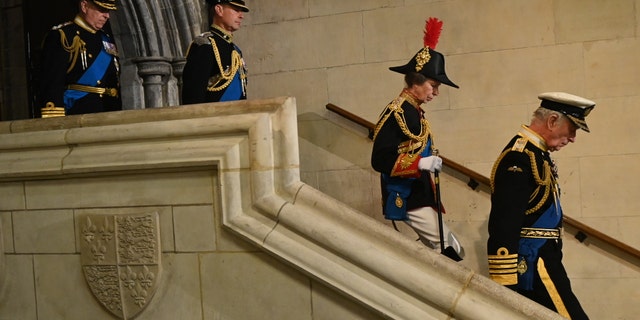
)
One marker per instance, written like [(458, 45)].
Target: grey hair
[(543, 114)]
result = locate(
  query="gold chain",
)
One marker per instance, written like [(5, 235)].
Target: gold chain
[(544, 181), (227, 77)]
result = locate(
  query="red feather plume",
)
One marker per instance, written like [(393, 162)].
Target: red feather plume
[(432, 31)]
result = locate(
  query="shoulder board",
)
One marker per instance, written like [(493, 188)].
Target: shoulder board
[(396, 105), (61, 25), (203, 39), (519, 145)]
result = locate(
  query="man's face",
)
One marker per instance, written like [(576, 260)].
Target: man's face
[(229, 17), (94, 15), (560, 134)]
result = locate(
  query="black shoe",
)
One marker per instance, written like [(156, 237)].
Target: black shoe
[(452, 254)]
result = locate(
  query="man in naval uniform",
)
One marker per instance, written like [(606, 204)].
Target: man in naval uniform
[(80, 68), (525, 245), (403, 149), (215, 70)]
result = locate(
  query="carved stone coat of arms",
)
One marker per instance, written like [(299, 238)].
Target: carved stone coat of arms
[(120, 257)]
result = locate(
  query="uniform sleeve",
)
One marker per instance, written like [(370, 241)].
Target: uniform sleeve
[(196, 74), (513, 186), (55, 61), (385, 150)]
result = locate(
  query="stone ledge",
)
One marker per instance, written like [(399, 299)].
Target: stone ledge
[(254, 145)]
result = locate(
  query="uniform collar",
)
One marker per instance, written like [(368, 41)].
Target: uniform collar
[(411, 99), (83, 24), (224, 34), (533, 137)]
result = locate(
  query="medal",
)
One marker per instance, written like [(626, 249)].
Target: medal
[(110, 48)]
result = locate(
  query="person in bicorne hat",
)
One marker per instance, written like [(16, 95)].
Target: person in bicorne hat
[(215, 70), (80, 67), (525, 240), (403, 148)]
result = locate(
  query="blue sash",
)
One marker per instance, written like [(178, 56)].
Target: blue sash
[(94, 73), (529, 247), (235, 89), (399, 190)]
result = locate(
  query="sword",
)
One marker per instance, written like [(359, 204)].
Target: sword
[(436, 174)]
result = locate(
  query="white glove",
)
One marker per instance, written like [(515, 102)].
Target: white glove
[(430, 163)]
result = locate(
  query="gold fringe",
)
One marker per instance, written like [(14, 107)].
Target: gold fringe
[(76, 48)]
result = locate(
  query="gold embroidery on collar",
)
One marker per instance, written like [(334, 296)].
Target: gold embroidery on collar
[(224, 33), (83, 24), (533, 137)]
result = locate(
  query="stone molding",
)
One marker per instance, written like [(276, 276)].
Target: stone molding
[(254, 146)]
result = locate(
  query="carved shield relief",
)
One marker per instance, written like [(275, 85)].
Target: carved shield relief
[(120, 257)]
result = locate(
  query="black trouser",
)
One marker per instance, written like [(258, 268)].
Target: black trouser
[(554, 272)]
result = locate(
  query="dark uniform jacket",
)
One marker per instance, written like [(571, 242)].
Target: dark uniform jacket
[(393, 149), (70, 58), (214, 70), (524, 246)]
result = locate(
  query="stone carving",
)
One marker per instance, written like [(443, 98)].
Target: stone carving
[(120, 256)]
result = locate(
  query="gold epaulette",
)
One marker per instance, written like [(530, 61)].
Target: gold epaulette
[(392, 106), (203, 38), (503, 267)]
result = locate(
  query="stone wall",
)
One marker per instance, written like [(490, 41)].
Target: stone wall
[(502, 54), (198, 212), (59, 173)]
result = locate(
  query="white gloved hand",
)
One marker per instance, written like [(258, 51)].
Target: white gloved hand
[(430, 163)]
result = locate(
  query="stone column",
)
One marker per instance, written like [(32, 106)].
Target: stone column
[(178, 65), (154, 72)]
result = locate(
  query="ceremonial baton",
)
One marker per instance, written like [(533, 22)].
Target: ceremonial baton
[(436, 175)]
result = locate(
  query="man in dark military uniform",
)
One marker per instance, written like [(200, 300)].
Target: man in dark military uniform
[(403, 148), (215, 70), (80, 69), (525, 245)]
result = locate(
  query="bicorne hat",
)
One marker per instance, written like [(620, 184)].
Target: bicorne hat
[(236, 3), (428, 61), (574, 107)]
